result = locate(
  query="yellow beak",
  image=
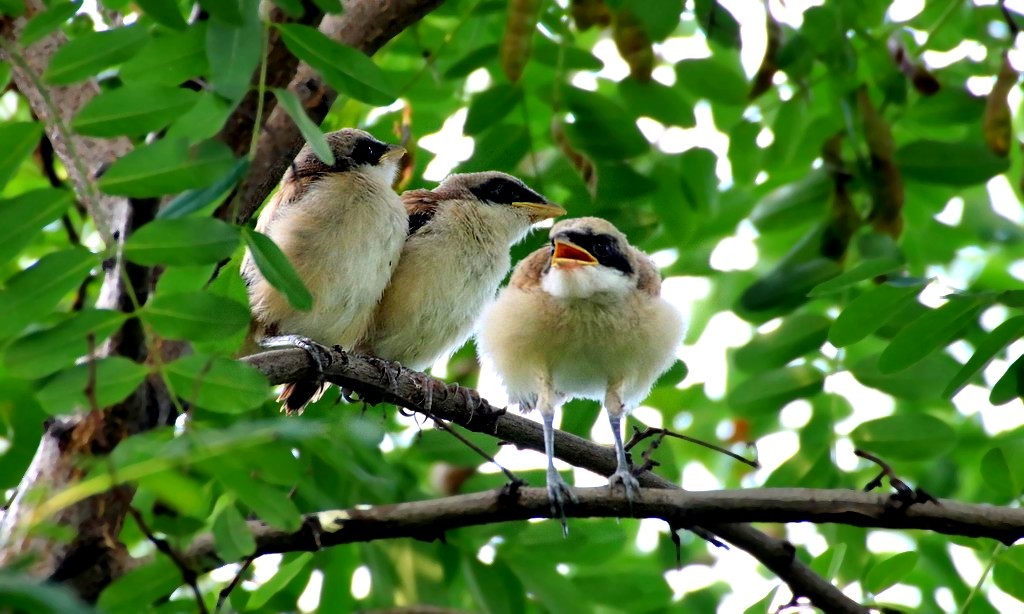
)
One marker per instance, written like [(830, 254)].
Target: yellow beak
[(393, 152), (541, 211)]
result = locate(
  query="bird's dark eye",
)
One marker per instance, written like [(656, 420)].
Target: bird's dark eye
[(367, 151), (505, 191), (602, 250)]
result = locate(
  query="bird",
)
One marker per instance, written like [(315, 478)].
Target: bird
[(582, 317), (342, 227), (453, 261)]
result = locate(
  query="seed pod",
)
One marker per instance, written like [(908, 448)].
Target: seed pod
[(844, 220), (769, 66), (519, 29), (885, 181), (922, 80), (403, 130), (582, 164), (997, 123), (587, 13), (634, 45)]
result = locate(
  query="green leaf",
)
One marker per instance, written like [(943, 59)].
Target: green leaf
[(1002, 468), (494, 587), (769, 391), (185, 495), (145, 584), (234, 52), (602, 127), (217, 384), (915, 436), (163, 12), (46, 22), (169, 59), (827, 564), (272, 505), (89, 53), (19, 139), (713, 80), (921, 381), (345, 69), (471, 61), (310, 131), (491, 106), (23, 593), (182, 241), (659, 19), (5, 75), (223, 10), (1010, 385), (956, 164), (47, 351), (869, 311), (196, 316), (793, 203), (115, 378), (231, 535), (929, 333), (275, 267), (203, 121), (40, 287), (167, 167), (657, 101), (1008, 572), (196, 200), (867, 269), (133, 110), (23, 216), (889, 571), (799, 334), (285, 574)]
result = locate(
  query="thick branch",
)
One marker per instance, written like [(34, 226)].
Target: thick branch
[(430, 519), (365, 25), (82, 156), (369, 375)]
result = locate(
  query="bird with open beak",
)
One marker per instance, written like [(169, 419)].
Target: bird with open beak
[(454, 259), (582, 317), (342, 227)]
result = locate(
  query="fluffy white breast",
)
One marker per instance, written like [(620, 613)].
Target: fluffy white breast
[(582, 281)]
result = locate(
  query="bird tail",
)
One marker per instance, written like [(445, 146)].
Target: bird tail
[(296, 396)]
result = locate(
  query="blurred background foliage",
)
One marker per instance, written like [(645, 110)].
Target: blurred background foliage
[(832, 189)]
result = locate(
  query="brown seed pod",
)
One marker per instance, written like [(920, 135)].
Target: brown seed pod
[(922, 80), (588, 13), (403, 130), (580, 162), (519, 29), (634, 45), (885, 181), (997, 123)]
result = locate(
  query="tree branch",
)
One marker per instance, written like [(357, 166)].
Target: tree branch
[(432, 518), (365, 25), (398, 385)]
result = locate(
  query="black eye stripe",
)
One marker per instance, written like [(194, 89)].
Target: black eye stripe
[(603, 247), (505, 191)]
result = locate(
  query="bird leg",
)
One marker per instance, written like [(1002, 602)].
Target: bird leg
[(613, 404), (299, 394), (558, 490)]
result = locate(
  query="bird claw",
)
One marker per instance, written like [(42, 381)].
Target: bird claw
[(558, 490), (426, 384), (320, 355), (629, 484)]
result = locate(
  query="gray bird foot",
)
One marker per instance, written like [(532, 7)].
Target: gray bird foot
[(629, 484), (320, 355), (426, 384), (558, 492)]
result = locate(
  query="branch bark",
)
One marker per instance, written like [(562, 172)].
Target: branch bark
[(365, 25), (95, 556), (400, 386), (431, 519)]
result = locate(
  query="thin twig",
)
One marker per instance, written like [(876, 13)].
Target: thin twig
[(187, 573), (639, 435), (904, 494), (226, 591), (441, 424)]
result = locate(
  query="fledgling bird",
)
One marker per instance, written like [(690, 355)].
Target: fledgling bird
[(342, 227), (453, 261), (584, 318)]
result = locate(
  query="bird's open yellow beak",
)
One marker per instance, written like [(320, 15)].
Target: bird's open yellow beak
[(540, 211), (567, 254), (393, 152)]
